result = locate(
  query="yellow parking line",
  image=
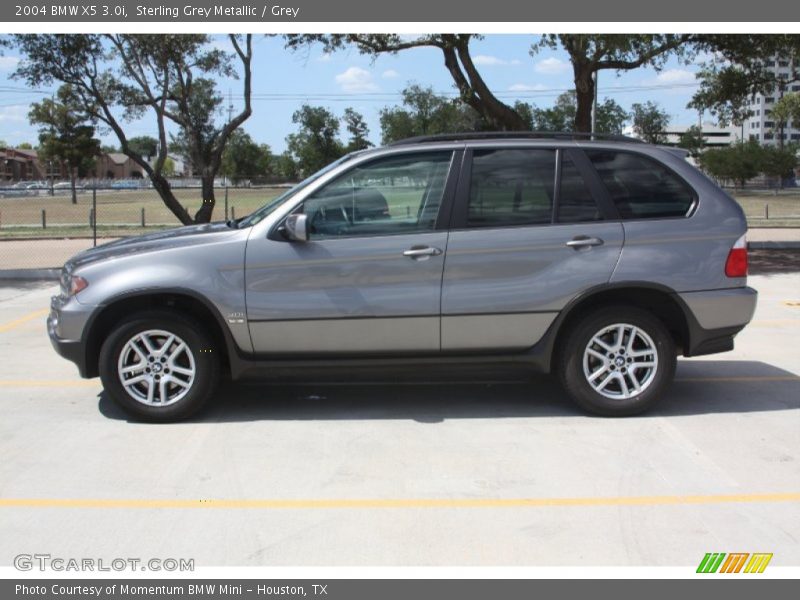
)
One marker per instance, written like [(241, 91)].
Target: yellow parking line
[(739, 378), (22, 320), (278, 504)]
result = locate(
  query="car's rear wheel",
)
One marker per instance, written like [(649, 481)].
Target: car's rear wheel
[(159, 366), (617, 361)]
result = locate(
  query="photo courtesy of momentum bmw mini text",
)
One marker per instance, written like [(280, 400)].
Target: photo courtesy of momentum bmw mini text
[(364, 300)]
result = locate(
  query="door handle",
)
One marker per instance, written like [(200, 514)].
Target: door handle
[(583, 241), (421, 251)]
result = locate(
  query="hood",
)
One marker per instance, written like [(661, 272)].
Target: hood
[(153, 242)]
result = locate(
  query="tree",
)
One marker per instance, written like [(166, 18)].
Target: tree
[(108, 149), (739, 162), (121, 77), (611, 117), (425, 113), (693, 140), (286, 167), (245, 160), (66, 135), (316, 143), (738, 68), (145, 145), (778, 162), (590, 54), (169, 167), (3, 144), (649, 122), (23, 146), (357, 129), (472, 88), (784, 111)]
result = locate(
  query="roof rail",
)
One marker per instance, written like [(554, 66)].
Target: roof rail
[(514, 135)]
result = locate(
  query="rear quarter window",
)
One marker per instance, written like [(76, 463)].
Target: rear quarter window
[(641, 187)]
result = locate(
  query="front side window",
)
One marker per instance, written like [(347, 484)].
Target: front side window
[(640, 187), (388, 196), (511, 187)]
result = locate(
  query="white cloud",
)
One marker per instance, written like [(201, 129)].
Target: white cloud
[(487, 60), (7, 63), (551, 66), (390, 74), (676, 76), (14, 113), (524, 87), (356, 79), (325, 57)]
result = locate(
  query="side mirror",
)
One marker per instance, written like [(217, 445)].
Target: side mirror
[(295, 228)]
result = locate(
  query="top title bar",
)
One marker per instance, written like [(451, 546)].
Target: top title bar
[(363, 11)]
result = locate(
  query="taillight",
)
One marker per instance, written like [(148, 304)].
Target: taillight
[(736, 265)]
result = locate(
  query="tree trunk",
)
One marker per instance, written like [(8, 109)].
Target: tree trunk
[(72, 177), (207, 209), (584, 93), (162, 187)]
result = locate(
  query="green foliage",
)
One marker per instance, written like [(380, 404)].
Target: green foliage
[(693, 140), (425, 113), (738, 67), (650, 122), (316, 143), (611, 117), (778, 162), (23, 146), (737, 163), (357, 129), (169, 167), (66, 133), (245, 160), (144, 144), (784, 111)]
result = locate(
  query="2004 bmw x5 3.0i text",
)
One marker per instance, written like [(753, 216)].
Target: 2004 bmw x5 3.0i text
[(598, 260)]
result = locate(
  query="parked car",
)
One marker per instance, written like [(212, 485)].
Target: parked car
[(598, 260)]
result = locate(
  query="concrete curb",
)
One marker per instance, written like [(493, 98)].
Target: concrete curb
[(30, 274), (787, 245)]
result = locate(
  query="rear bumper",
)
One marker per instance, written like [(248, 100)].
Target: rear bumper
[(715, 317)]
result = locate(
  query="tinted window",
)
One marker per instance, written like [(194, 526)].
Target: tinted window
[(395, 195), (511, 187), (640, 187), (575, 201)]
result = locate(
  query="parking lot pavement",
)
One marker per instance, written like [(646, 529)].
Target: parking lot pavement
[(481, 473)]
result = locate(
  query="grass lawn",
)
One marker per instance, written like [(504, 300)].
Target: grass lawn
[(119, 213)]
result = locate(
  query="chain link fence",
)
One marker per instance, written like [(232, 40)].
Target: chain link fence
[(41, 226)]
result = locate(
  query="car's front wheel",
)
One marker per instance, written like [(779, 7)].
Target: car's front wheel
[(159, 366), (617, 361)]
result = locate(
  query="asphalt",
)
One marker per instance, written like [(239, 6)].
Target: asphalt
[(407, 473)]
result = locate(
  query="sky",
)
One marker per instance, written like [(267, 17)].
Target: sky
[(283, 80)]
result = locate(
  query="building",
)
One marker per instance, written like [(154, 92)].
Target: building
[(713, 135), (115, 165), (760, 126)]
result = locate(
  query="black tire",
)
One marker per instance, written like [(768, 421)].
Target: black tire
[(203, 352), (570, 363)]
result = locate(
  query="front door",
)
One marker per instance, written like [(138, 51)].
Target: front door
[(368, 280)]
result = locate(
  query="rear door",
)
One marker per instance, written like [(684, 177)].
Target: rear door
[(531, 229)]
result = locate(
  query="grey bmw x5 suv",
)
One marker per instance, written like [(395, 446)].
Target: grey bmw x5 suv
[(598, 260)]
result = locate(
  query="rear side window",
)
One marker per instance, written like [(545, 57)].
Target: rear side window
[(511, 187), (640, 187)]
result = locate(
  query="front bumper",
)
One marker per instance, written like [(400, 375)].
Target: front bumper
[(716, 316), (65, 326)]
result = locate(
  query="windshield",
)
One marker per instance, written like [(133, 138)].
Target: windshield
[(268, 208)]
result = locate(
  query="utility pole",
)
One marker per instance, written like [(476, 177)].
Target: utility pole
[(594, 105)]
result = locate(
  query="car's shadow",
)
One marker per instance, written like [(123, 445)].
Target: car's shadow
[(700, 387)]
